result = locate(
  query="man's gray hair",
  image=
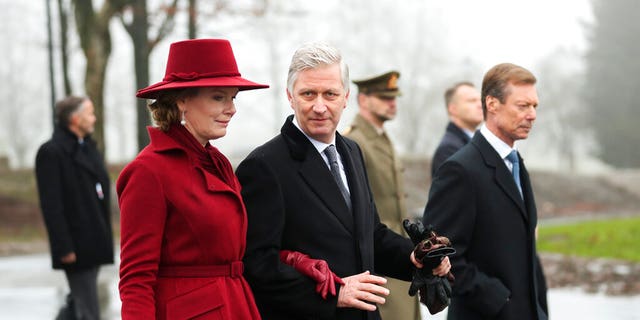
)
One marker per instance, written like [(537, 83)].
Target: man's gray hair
[(66, 108), (313, 55)]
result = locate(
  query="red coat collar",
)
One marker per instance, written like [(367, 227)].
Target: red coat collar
[(161, 141)]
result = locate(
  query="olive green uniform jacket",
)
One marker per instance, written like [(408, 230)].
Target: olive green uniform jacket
[(385, 179)]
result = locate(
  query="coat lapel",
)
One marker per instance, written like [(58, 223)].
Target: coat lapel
[(84, 160), (69, 143), (502, 174), (316, 174), (458, 133), (527, 192), (357, 180), (215, 184), (161, 142)]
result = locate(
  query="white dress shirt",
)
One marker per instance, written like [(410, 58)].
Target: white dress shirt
[(500, 146), (320, 146)]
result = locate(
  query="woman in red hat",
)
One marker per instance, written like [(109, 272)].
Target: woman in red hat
[(183, 222)]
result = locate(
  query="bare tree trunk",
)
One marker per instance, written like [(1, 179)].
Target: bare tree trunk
[(138, 30), (193, 19), (94, 84), (52, 82), (95, 40), (64, 54)]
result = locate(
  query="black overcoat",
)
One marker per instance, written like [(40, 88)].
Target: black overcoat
[(293, 203), (74, 190), (475, 202), (454, 138)]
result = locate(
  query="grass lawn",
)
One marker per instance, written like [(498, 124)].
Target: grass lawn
[(615, 238)]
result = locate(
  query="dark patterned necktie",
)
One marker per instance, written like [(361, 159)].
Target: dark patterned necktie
[(331, 154)]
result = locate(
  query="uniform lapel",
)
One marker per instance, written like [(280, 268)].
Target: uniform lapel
[(379, 141), (383, 144)]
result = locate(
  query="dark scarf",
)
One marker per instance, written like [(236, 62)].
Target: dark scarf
[(208, 157)]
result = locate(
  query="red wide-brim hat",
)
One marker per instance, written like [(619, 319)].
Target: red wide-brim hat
[(200, 63)]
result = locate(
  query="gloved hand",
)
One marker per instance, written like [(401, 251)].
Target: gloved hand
[(316, 269), (435, 292), (430, 249)]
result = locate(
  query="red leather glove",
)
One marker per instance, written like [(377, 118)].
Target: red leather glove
[(316, 269)]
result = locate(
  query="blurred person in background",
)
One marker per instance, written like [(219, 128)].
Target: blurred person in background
[(74, 188), (464, 109), (377, 104)]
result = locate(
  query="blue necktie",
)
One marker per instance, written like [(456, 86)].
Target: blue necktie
[(515, 172), (332, 155)]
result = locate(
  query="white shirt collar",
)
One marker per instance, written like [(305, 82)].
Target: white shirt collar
[(319, 145), (500, 146), (468, 132)]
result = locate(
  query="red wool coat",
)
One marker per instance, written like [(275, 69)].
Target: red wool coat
[(183, 236)]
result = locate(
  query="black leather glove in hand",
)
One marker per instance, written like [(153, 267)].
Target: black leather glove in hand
[(415, 230), (435, 292), (430, 248)]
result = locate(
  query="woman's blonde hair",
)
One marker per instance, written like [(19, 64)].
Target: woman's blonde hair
[(164, 110)]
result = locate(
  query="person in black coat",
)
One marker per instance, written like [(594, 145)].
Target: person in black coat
[(489, 214), (465, 115), (295, 203), (73, 186)]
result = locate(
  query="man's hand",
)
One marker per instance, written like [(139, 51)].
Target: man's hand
[(69, 258), (431, 251), (414, 261), (362, 291), (443, 268)]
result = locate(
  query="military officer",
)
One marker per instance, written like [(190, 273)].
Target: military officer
[(377, 104)]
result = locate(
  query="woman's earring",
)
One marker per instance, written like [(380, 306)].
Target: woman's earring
[(183, 121)]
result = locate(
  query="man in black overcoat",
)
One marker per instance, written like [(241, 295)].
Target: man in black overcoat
[(464, 107), (481, 198), (465, 115), (294, 202), (74, 188)]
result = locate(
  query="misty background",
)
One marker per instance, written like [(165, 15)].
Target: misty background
[(584, 54)]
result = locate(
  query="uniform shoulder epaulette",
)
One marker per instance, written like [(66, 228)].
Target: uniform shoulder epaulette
[(347, 130)]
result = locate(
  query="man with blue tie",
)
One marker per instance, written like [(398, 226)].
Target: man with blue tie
[(488, 213)]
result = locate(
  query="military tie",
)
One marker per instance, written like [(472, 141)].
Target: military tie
[(515, 172), (331, 154)]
